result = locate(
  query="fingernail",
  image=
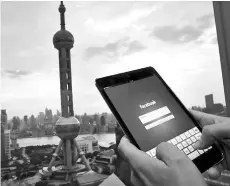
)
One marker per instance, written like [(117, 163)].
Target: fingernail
[(198, 144)]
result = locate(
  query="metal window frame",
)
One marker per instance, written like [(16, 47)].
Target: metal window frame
[(222, 14)]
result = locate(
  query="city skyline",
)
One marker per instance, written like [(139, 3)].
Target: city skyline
[(110, 37)]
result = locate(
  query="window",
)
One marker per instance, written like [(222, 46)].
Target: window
[(177, 38)]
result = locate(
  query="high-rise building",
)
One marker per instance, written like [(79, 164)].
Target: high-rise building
[(48, 114), (2, 143), (41, 118), (14, 137), (85, 126), (25, 122), (209, 101), (96, 118), (7, 143), (4, 119), (213, 108)]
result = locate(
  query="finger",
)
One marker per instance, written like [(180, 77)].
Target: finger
[(135, 180), (206, 119), (137, 159), (211, 133), (128, 151), (215, 172), (168, 153)]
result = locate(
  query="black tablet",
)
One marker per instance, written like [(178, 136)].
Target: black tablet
[(150, 113)]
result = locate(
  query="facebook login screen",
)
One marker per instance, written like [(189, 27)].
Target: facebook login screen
[(150, 112)]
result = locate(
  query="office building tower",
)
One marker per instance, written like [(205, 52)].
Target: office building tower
[(7, 143), (4, 119), (209, 101), (14, 136), (2, 143)]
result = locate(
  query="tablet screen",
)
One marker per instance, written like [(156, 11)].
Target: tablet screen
[(150, 111)]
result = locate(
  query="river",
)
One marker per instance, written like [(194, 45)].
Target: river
[(102, 138)]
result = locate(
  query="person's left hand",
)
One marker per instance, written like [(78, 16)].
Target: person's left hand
[(171, 167)]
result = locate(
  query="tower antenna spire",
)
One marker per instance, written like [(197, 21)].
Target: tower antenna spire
[(62, 15)]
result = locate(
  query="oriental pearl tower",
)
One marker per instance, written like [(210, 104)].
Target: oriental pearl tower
[(67, 127)]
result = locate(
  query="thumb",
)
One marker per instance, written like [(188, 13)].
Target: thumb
[(167, 153), (137, 158), (129, 152), (212, 133)]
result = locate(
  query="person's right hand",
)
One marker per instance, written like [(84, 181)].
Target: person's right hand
[(216, 129)]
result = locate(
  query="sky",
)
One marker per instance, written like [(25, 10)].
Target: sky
[(178, 39)]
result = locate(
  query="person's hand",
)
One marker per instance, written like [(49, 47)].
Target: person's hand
[(216, 129), (171, 167)]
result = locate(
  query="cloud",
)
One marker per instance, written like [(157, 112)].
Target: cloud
[(33, 51), (176, 35), (135, 46), (214, 41), (115, 49), (16, 73), (205, 21), (121, 22)]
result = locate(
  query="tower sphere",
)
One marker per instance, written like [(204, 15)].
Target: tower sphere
[(67, 128), (61, 8), (63, 39)]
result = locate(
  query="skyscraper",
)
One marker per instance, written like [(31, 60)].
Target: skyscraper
[(4, 119), (209, 101), (25, 122), (2, 143), (7, 143), (41, 118), (14, 137)]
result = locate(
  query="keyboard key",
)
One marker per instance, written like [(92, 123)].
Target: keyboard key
[(184, 143), (193, 139), (153, 152), (186, 151), (191, 149), (187, 134), (178, 138), (196, 130), (193, 155), (174, 142), (179, 146), (197, 136), (189, 141), (183, 137), (192, 132), (201, 151), (209, 147), (205, 150)]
